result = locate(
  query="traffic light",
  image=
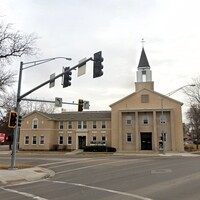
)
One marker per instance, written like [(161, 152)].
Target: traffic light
[(67, 77), (80, 105), (97, 66), (19, 120), (12, 122)]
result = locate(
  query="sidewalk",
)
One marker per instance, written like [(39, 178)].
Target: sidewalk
[(150, 153), (12, 176)]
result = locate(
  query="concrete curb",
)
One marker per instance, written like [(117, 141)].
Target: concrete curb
[(13, 176)]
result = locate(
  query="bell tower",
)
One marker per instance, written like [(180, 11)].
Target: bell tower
[(144, 74)]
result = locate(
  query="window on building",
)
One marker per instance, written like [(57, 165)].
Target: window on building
[(163, 119), (145, 98), (34, 141), (94, 124), (60, 141), (103, 139), (103, 124), (69, 140), (145, 120), (42, 139), (94, 138), (35, 123), (79, 124), (82, 124), (69, 124), (26, 140), (128, 137), (61, 125), (128, 120)]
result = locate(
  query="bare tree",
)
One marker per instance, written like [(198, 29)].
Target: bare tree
[(7, 78), (15, 44), (194, 92), (12, 44), (30, 106), (193, 115)]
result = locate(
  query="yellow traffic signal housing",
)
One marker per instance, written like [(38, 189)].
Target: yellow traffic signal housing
[(12, 119)]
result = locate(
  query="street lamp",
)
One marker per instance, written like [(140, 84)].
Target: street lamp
[(162, 114), (30, 64), (174, 91)]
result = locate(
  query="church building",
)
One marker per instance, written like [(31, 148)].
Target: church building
[(145, 120)]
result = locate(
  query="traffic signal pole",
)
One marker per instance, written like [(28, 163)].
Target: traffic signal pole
[(17, 108), (20, 97)]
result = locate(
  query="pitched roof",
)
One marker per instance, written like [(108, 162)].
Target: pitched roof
[(86, 115), (143, 60), (157, 93)]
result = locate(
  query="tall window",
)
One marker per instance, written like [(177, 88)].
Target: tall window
[(26, 140), (42, 139), (35, 123), (128, 120), (103, 124), (128, 137), (60, 140), (69, 140), (94, 138), (94, 124), (103, 139), (145, 120), (69, 124), (82, 124), (61, 125), (79, 124), (34, 141)]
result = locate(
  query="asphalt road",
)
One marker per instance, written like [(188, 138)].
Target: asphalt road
[(109, 178)]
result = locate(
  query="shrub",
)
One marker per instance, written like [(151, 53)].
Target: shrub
[(99, 149)]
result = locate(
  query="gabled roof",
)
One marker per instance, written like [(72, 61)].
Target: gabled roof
[(85, 115), (143, 60), (157, 93)]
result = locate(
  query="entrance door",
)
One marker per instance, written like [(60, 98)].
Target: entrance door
[(81, 142), (146, 141)]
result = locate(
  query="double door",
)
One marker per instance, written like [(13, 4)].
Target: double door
[(146, 140)]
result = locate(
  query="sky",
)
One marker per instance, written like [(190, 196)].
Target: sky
[(79, 28)]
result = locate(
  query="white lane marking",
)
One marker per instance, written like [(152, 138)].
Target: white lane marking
[(90, 166), (23, 194), (104, 190), (78, 162), (66, 161)]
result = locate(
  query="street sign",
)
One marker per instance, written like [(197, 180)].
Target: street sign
[(2, 137), (52, 83), (58, 102), (86, 104), (82, 69)]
